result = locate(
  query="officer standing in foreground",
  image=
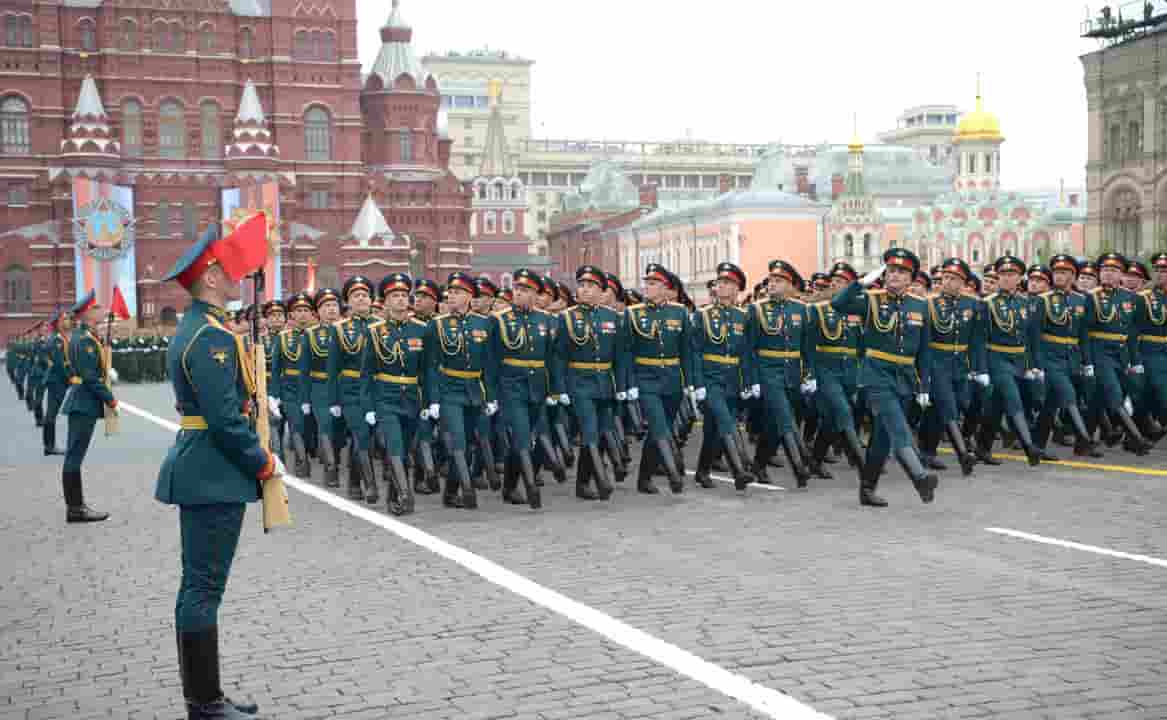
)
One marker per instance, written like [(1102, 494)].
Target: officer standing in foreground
[(215, 467), (87, 402)]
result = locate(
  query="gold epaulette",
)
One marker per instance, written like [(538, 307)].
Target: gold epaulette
[(376, 323), (990, 297), (437, 318), (637, 306), (422, 323)]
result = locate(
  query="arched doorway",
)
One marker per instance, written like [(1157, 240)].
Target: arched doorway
[(1122, 230)]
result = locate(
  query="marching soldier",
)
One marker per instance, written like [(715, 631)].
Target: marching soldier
[(393, 382), (778, 329), (896, 366), (1151, 319), (426, 296), (88, 400), (215, 467), (57, 380), (346, 385), (724, 365), (958, 354), (314, 392), (660, 345), (459, 371), (287, 387), (527, 381)]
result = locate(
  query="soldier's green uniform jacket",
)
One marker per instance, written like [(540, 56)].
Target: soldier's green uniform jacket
[(1151, 325), (659, 345), (1058, 334), (835, 341), (59, 371), (287, 354), (458, 366), (524, 363), (40, 361), (314, 368), (958, 337), (896, 335), (779, 332), (346, 363), (1113, 331), (721, 349), (216, 457), (270, 347), (394, 373), (90, 393), (592, 352), (1007, 333)]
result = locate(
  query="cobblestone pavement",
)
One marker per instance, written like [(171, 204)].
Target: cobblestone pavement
[(910, 612)]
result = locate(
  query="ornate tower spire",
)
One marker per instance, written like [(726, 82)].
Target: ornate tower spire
[(252, 139), (496, 161), (89, 132)]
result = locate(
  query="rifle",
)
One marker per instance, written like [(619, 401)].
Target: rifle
[(275, 494), (111, 415)]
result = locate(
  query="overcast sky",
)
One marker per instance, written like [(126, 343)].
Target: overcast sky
[(760, 70)]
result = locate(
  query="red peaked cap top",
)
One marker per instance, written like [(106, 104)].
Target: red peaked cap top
[(240, 253)]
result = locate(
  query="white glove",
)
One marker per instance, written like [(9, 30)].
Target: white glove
[(371, 417), (747, 394), (1088, 371), (689, 390), (621, 396), (1136, 369), (564, 399), (435, 411), (1039, 374), (982, 379), (810, 387), (306, 409), (425, 414), (633, 394), (273, 407), (868, 279), (334, 411), (113, 375), (1128, 405), (280, 470), (491, 408), (699, 393), (923, 400), (756, 391), (551, 400)]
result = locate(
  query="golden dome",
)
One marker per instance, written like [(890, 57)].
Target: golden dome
[(856, 144), (979, 125)]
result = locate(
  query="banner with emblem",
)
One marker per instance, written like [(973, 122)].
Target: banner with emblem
[(104, 241), (239, 204)]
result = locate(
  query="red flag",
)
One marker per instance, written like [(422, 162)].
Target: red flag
[(310, 286), (118, 305), (245, 250)]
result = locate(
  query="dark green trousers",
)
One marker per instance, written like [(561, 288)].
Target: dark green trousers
[(80, 435), (210, 536)]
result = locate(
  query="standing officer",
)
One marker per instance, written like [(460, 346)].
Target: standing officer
[(527, 382), (896, 366), (314, 392), (215, 467), (57, 380), (346, 385), (591, 350), (393, 382), (460, 372), (958, 353), (660, 345), (88, 400), (723, 358), (778, 329), (287, 387)]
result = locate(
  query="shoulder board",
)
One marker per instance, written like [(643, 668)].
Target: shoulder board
[(415, 321), (637, 306), (875, 291), (918, 297), (1047, 293), (477, 315), (1147, 292), (676, 304), (443, 316), (796, 301), (312, 327), (1095, 291), (1075, 293), (990, 297), (502, 313)]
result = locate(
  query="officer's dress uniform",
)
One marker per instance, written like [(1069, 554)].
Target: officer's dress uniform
[(1062, 350), (86, 401), (527, 377), (393, 383), (345, 368), (56, 385), (36, 380), (289, 349), (592, 352), (1113, 333), (1151, 351), (314, 389), (724, 363), (896, 365), (660, 347), (460, 371), (275, 423), (836, 341), (958, 350)]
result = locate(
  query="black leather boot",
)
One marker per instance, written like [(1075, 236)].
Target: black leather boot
[(924, 481), (368, 475), (510, 482), (1083, 444), (328, 461), (853, 447), (49, 436), (967, 461), (741, 477), (300, 457), (704, 466), (648, 459), (551, 458), (1135, 442), (868, 481), (527, 473), (599, 471), (1021, 428), (399, 492), (199, 663), (794, 457), (818, 454), (493, 481), (583, 478), (76, 511), (246, 708), (1111, 435), (664, 455), (762, 454), (612, 447), (986, 435)]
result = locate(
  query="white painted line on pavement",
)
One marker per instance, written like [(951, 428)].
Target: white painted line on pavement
[(1079, 546), (767, 701)]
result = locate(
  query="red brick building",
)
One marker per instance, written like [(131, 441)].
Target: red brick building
[(197, 96)]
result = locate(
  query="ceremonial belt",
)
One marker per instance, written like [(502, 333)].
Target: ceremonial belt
[(1007, 349), (891, 357), (598, 366), (1113, 337), (351, 374), (461, 374), (1153, 338), (948, 347), (837, 350), (291, 372), (657, 362), (722, 359), (396, 379), (1059, 340), (318, 375), (193, 422), (516, 362), (780, 354), (74, 380)]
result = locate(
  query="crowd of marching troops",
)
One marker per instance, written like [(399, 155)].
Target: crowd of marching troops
[(488, 388)]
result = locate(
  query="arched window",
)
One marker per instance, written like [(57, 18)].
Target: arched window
[(87, 35), (867, 250), (132, 128), (128, 37), (17, 289), (211, 133), (25, 31), (848, 245), (317, 134), (1134, 141), (315, 45), (328, 46), (246, 43), (206, 38), (161, 35), (406, 146), (177, 37), (301, 50), (14, 132), (171, 131), (508, 222), (488, 221), (972, 163), (1114, 151), (988, 163)]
